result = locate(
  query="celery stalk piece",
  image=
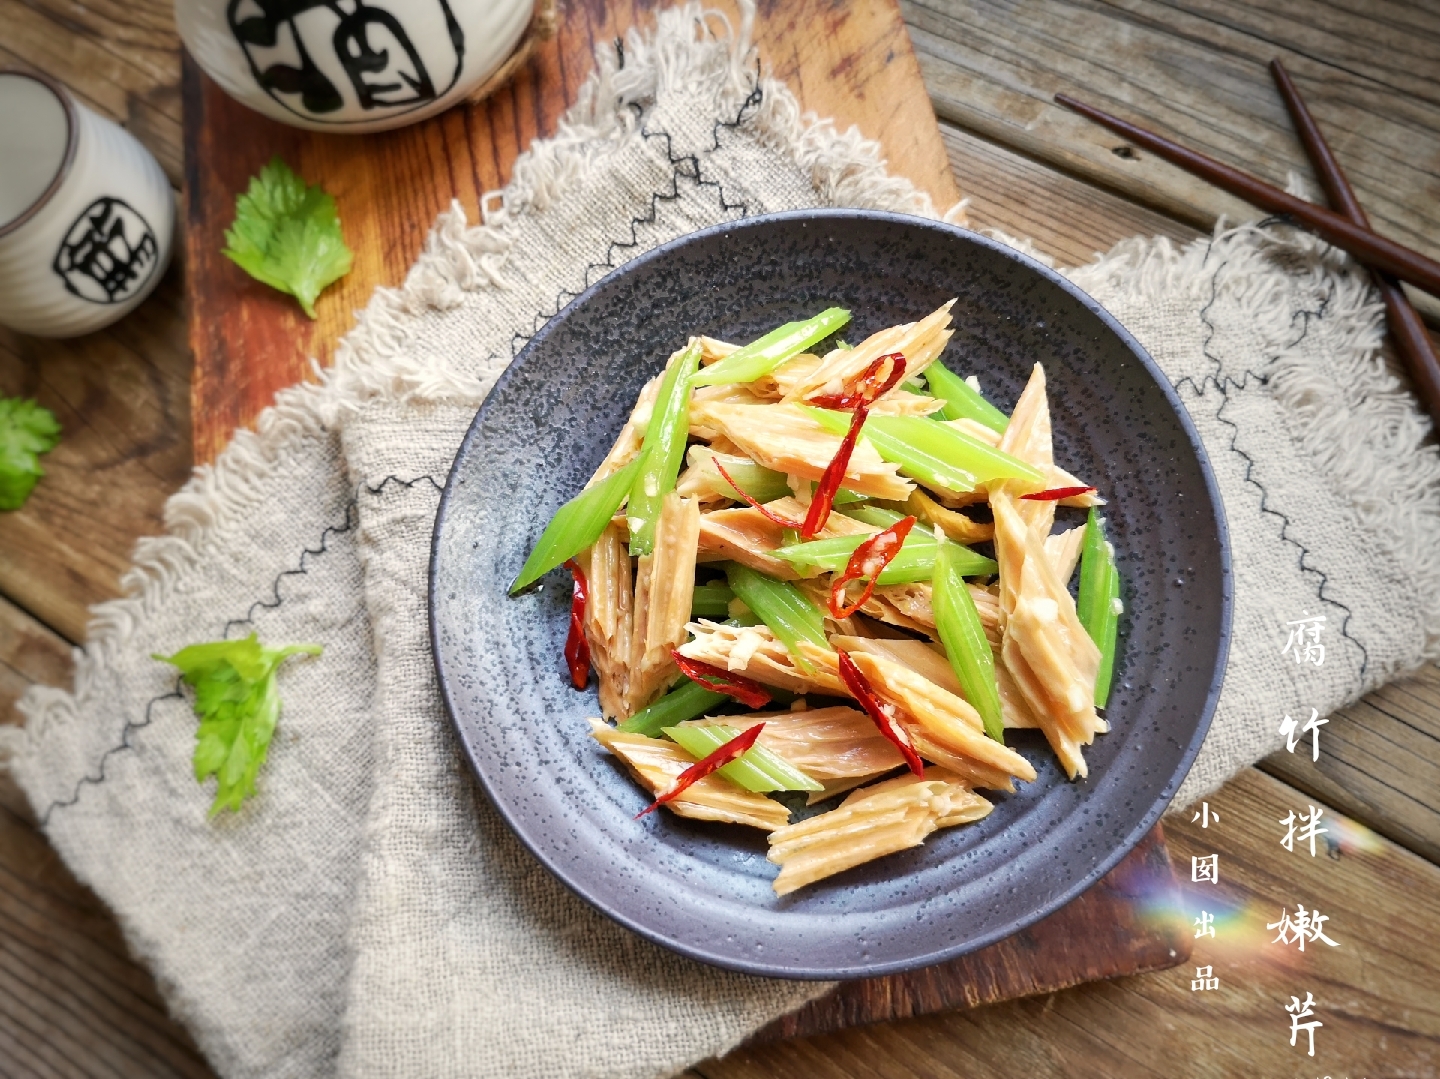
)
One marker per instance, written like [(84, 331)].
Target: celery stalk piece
[(1094, 595), (1106, 671), (662, 451), (762, 356), (1098, 605), (687, 700), (914, 562), (760, 483), (577, 524), (880, 517), (757, 769), (958, 623), (711, 601), (962, 401), (782, 607), (933, 453)]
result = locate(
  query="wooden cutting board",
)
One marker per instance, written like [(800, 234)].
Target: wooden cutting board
[(851, 62)]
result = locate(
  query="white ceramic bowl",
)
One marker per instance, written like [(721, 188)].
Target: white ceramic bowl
[(350, 65), (86, 215)]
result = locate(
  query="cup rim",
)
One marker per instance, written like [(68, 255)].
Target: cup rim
[(72, 136)]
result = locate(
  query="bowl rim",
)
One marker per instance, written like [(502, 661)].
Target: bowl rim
[(696, 949)]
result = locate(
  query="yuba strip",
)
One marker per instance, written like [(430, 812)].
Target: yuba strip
[(702, 768), (763, 355), (577, 524), (662, 451), (882, 713)]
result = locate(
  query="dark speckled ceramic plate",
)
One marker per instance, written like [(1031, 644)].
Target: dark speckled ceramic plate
[(704, 889)]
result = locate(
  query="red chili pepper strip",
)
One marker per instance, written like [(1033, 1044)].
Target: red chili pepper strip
[(768, 514), (868, 562), (1057, 493), (719, 680), (866, 388), (884, 714), (702, 768), (834, 475), (577, 648)]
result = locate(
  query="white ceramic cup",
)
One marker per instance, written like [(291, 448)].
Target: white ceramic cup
[(350, 65), (86, 215)]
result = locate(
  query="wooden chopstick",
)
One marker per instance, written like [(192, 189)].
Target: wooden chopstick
[(1414, 344), (1371, 248)]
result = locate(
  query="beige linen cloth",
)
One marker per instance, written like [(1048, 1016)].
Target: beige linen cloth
[(367, 914)]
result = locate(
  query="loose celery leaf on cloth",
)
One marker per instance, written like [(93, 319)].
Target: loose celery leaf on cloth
[(238, 703), (26, 431), (287, 234)]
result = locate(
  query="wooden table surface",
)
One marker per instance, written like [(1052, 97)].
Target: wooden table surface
[(73, 1004)]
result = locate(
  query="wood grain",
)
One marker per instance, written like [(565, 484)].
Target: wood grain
[(122, 398), (1111, 929), (72, 1001), (1380, 762), (852, 62), (120, 58), (1378, 994), (1195, 71), (1139, 1026)]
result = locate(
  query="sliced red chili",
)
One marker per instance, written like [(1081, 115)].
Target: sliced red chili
[(834, 475), (768, 514), (867, 387), (868, 562), (722, 756), (1057, 493), (882, 713), (577, 648), (719, 680)]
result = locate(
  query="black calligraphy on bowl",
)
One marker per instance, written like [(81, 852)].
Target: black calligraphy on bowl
[(108, 254), (322, 58)]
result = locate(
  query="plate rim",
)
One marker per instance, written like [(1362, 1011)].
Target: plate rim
[(1103, 865)]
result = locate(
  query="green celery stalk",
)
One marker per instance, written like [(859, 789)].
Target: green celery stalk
[(711, 601), (662, 451), (782, 607), (1094, 596), (931, 452), (915, 562), (963, 401), (757, 769), (577, 524), (760, 483), (880, 517), (686, 701), (958, 623), (1107, 642), (762, 356), (1099, 602)]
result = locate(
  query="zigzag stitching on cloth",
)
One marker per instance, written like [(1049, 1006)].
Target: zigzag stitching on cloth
[(301, 569), (651, 214), (1223, 386)]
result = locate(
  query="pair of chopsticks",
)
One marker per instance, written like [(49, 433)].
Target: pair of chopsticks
[(1348, 229)]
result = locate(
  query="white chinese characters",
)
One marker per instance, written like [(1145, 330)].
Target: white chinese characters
[(1304, 640), (1293, 732), (1305, 925), (1299, 1011), (1309, 828)]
